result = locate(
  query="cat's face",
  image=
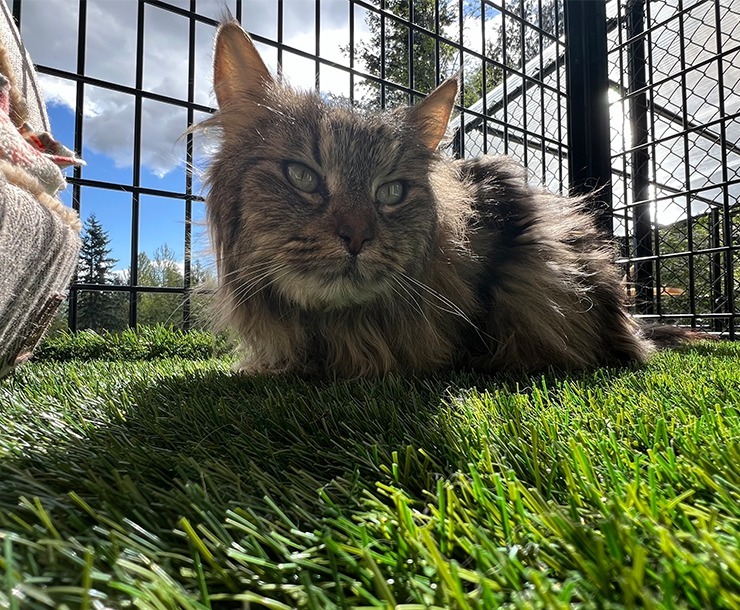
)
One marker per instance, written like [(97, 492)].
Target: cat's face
[(329, 207)]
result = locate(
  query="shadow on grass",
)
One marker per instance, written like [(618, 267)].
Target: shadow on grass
[(243, 437), (178, 444), (261, 461)]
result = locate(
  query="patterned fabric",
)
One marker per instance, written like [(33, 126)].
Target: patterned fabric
[(37, 153), (39, 236)]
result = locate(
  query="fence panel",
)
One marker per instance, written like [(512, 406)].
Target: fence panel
[(125, 79), (674, 70)]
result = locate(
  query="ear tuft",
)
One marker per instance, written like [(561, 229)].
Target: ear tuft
[(432, 115), (238, 68)]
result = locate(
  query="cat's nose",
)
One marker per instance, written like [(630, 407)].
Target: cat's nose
[(356, 232)]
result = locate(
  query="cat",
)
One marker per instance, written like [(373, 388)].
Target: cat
[(347, 245)]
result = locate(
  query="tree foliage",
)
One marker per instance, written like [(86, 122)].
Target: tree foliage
[(708, 269), (102, 310), (163, 270), (386, 51), (97, 309), (95, 263), (517, 44)]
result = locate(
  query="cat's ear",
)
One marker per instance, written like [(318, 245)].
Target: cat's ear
[(238, 69), (432, 115)]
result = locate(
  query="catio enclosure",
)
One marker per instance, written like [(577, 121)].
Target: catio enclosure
[(637, 98)]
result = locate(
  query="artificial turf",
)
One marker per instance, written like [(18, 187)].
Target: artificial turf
[(174, 483)]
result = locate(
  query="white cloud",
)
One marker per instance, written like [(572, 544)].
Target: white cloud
[(50, 31), (58, 91), (49, 28)]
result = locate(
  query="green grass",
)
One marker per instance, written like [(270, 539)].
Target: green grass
[(174, 483), (146, 343)]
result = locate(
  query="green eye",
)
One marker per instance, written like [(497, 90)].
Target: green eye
[(301, 177), (390, 193)]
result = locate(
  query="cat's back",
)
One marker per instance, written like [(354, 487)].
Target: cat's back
[(550, 290)]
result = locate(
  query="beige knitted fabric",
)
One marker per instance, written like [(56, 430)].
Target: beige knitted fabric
[(24, 73), (38, 254), (39, 236)]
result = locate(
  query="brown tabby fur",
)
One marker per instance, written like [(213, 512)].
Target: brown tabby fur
[(474, 269)]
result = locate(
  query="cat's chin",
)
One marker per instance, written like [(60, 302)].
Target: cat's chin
[(314, 292)]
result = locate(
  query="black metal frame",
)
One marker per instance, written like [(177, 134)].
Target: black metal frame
[(575, 77), (655, 266), (77, 181), (588, 119)]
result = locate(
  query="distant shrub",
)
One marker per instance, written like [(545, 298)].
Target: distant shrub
[(141, 343)]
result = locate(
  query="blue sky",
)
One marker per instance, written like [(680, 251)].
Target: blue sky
[(161, 220)]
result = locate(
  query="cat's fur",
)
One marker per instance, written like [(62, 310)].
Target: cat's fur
[(474, 269)]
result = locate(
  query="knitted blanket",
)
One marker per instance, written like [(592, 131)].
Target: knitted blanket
[(39, 236)]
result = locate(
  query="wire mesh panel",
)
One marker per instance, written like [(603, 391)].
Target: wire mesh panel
[(674, 69), (515, 92), (124, 80)]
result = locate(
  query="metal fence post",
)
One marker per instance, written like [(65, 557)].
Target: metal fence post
[(640, 158), (589, 147)]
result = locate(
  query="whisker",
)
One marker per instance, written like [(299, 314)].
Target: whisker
[(244, 283), (453, 308), (239, 275), (415, 301), (270, 283), (255, 278), (243, 294)]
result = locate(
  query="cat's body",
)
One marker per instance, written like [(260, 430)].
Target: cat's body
[(348, 246)]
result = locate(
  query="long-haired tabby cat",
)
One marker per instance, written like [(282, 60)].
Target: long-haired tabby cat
[(346, 245)]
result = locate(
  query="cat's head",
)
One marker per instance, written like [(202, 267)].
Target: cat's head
[(326, 205)]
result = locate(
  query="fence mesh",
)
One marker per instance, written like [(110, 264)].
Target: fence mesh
[(125, 79), (674, 69)]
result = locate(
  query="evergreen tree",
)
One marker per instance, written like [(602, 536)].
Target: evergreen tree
[(95, 264), (395, 53), (393, 56), (97, 309), (519, 45)]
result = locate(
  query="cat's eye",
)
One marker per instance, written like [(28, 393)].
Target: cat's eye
[(301, 177), (391, 193)]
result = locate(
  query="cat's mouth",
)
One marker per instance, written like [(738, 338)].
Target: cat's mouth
[(344, 287)]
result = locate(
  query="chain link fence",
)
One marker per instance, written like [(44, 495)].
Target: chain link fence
[(674, 72)]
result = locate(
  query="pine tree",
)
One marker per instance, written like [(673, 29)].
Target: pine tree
[(393, 56), (95, 264), (97, 309), (518, 46)]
